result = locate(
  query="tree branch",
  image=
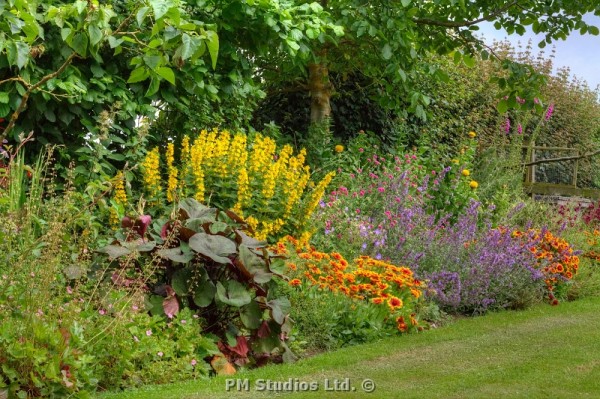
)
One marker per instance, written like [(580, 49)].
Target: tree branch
[(461, 24), (30, 89), (541, 161)]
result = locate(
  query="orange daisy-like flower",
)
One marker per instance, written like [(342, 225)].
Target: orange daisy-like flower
[(395, 302), (378, 301), (295, 282), (401, 324)]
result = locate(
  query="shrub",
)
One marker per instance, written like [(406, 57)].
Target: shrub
[(270, 189), (203, 260)]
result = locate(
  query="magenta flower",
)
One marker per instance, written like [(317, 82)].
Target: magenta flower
[(193, 362), (148, 333), (507, 126), (549, 111)]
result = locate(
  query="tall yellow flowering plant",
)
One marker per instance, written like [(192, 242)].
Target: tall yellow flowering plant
[(266, 186)]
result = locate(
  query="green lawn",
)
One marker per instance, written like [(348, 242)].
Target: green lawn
[(543, 352)]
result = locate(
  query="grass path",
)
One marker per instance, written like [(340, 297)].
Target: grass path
[(543, 352)]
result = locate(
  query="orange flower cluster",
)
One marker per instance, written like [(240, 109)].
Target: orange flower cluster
[(592, 241), (555, 257), (367, 279)]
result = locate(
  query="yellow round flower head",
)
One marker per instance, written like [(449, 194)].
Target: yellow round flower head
[(466, 172), (339, 148), (472, 135), (473, 184)]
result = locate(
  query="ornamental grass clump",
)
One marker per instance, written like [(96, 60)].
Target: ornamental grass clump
[(267, 186)]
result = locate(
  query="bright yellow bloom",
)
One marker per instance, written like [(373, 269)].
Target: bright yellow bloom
[(473, 184), (339, 148), (466, 172), (120, 196), (172, 180), (455, 161), (472, 134), (151, 171)]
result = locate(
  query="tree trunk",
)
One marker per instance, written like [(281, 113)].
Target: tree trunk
[(320, 93)]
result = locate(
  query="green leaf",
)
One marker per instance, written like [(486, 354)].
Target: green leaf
[(213, 247), (502, 106), (594, 30), (204, 293), (194, 209), (406, 3), (213, 47), (155, 305), (80, 44), (255, 265), (153, 86), (312, 33), (233, 293), (386, 52), (141, 15), (176, 255), (188, 47), (114, 42), (95, 34), (4, 110), (160, 7), (167, 74), (138, 75), (181, 281), (469, 61), (4, 97), (280, 308), (17, 53), (251, 315), (114, 251)]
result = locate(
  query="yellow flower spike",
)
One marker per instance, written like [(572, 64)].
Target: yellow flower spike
[(473, 184), (465, 172), (339, 148), (172, 182), (151, 172), (472, 134), (120, 196)]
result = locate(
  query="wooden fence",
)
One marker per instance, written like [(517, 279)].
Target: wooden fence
[(554, 178)]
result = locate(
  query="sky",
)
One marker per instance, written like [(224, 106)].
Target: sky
[(579, 52)]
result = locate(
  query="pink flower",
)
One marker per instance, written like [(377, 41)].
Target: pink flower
[(102, 312), (520, 129), (549, 111), (69, 290), (148, 333), (160, 354), (193, 362), (134, 307), (381, 189), (507, 126), (183, 321), (361, 150), (357, 210)]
